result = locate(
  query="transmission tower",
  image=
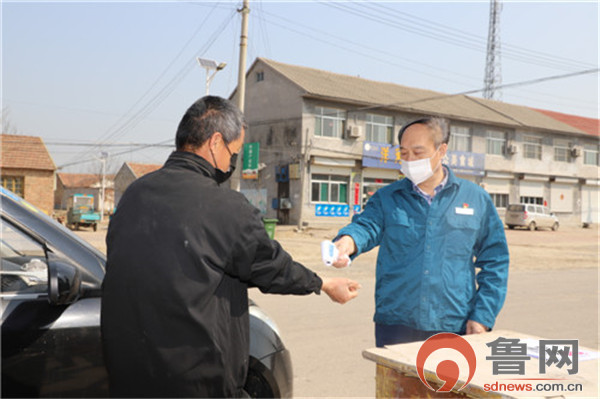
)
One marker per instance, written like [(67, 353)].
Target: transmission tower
[(493, 72)]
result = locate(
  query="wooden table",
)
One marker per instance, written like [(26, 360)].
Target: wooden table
[(396, 373)]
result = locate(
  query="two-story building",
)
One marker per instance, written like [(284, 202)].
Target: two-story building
[(327, 142)]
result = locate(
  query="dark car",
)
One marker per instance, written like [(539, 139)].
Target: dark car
[(51, 287)]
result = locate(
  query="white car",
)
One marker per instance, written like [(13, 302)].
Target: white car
[(531, 216)]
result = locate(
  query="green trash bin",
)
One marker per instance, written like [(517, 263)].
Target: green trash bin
[(270, 227)]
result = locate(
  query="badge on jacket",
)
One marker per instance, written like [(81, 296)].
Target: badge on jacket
[(464, 210)]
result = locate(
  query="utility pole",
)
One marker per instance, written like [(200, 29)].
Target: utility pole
[(241, 88), (493, 74), (245, 10), (103, 156)]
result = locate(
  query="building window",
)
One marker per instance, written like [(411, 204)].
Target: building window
[(14, 184), (380, 129), (532, 147), (495, 142), (532, 200), (590, 155), (460, 139), (562, 151), (329, 189), (260, 76), (499, 200), (370, 187), (329, 122)]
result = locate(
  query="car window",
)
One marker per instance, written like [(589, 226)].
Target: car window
[(539, 209), (530, 208), (23, 266), (516, 208)]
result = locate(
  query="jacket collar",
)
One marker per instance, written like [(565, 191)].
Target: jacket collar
[(191, 161)]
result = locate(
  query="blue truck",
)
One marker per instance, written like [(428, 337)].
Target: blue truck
[(81, 212)]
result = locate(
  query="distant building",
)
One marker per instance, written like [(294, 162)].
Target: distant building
[(128, 173), (27, 169), (68, 184), (329, 141)]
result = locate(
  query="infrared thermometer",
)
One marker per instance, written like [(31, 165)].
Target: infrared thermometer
[(330, 253)]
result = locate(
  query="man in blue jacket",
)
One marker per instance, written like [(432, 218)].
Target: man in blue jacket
[(434, 230)]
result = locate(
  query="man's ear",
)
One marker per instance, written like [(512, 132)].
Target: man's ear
[(443, 149), (215, 140)]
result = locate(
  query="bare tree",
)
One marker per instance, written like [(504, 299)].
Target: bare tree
[(7, 126)]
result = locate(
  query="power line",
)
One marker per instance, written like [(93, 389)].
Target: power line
[(141, 147), (288, 24), (71, 144), (448, 35), (503, 86), (442, 96), (510, 48), (159, 97)]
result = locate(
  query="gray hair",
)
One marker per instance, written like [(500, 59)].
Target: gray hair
[(209, 115), (439, 127)]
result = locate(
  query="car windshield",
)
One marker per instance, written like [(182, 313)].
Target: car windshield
[(47, 219), (516, 208)]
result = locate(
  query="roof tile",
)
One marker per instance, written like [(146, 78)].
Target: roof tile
[(141, 169), (24, 152)]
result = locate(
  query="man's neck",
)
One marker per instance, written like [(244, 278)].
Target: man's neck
[(429, 185)]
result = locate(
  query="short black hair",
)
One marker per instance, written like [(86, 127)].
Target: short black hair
[(209, 115), (438, 126)]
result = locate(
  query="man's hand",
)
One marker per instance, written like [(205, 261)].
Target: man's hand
[(474, 327), (347, 247), (340, 289)]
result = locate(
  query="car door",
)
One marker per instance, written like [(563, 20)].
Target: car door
[(543, 216), (47, 350)]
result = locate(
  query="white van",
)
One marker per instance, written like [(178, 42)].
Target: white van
[(531, 216)]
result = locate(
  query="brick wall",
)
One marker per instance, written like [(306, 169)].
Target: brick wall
[(38, 186)]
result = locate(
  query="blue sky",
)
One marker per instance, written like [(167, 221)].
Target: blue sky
[(116, 72)]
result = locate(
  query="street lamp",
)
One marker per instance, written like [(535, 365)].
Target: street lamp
[(210, 65)]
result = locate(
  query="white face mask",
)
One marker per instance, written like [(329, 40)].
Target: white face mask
[(417, 171)]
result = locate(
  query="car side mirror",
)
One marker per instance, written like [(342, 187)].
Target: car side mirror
[(64, 282)]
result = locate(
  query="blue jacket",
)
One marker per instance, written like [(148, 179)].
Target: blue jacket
[(428, 255)]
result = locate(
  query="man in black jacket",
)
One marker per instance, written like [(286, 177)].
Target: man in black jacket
[(182, 252)]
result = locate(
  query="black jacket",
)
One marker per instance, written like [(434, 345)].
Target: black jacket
[(182, 252)]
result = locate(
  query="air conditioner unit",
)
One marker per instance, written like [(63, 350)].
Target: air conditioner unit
[(576, 152), (511, 149), (285, 203), (354, 132)]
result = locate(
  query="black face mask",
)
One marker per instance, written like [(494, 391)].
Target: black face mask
[(220, 176)]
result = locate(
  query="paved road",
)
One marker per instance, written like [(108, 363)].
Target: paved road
[(327, 339)]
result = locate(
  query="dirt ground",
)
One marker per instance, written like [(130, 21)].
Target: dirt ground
[(567, 248), (552, 293)]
